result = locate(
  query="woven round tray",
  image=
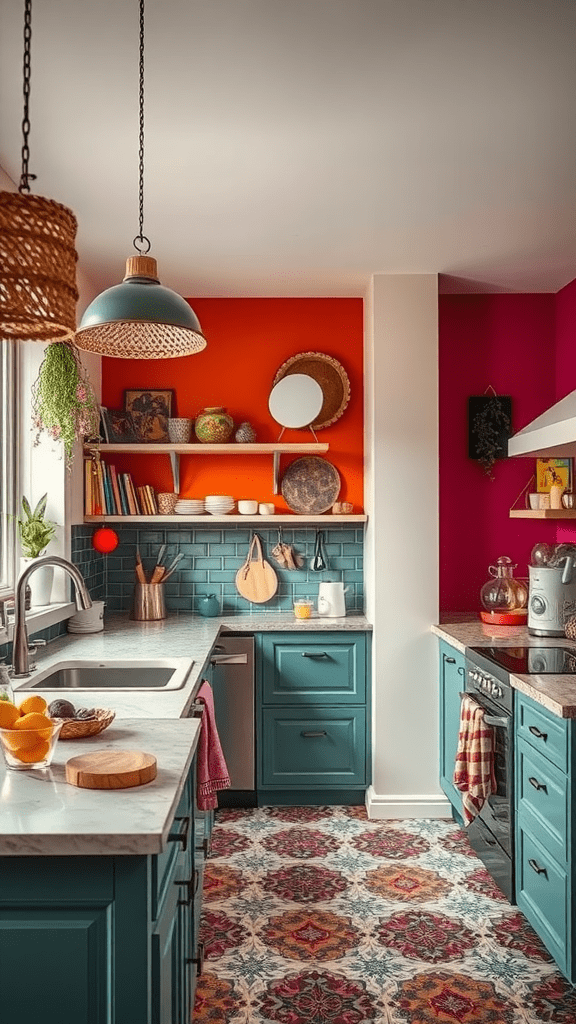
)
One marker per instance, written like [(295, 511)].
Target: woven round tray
[(330, 375), (78, 728)]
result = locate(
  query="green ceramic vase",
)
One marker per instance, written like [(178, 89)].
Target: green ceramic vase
[(214, 425)]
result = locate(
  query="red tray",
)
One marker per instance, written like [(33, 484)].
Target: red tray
[(516, 618)]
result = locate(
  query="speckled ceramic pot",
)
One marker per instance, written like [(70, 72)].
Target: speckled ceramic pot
[(214, 425)]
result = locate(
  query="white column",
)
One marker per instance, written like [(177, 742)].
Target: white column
[(401, 385)]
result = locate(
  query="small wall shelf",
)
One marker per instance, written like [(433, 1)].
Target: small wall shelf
[(175, 450), (543, 513)]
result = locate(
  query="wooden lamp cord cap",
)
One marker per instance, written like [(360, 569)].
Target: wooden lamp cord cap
[(141, 266)]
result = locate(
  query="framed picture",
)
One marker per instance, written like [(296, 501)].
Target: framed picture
[(150, 409), (549, 470), (118, 426)]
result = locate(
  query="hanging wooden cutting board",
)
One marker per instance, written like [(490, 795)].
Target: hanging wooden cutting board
[(111, 769), (256, 580)]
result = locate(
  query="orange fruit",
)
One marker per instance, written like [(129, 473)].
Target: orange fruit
[(36, 753), (37, 725), (33, 703), (15, 739), (8, 714)]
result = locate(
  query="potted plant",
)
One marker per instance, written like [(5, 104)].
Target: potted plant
[(63, 401), (35, 533), (489, 428)]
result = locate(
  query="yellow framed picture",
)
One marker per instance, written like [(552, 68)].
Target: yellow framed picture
[(549, 471)]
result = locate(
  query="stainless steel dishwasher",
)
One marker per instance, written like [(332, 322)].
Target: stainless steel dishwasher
[(233, 687)]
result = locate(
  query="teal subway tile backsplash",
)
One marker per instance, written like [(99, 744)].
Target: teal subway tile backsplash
[(211, 560)]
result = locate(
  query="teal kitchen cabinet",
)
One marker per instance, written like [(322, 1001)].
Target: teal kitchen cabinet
[(452, 676), (545, 872), (103, 939), (314, 717)]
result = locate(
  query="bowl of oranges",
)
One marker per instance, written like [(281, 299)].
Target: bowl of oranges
[(28, 736)]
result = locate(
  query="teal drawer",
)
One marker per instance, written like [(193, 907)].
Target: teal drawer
[(313, 747), (314, 667), (543, 731), (543, 800), (542, 894)]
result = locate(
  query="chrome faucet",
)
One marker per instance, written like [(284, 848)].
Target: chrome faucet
[(20, 662)]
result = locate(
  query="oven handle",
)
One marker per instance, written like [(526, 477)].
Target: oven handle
[(503, 723)]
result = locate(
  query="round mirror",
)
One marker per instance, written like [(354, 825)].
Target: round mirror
[(296, 400)]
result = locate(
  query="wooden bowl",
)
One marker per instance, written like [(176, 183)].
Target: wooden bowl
[(78, 728)]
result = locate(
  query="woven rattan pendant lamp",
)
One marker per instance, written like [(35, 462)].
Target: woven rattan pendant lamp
[(38, 291), (140, 319)]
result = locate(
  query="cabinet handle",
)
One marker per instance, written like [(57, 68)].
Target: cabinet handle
[(206, 846), (315, 654), (180, 836), (536, 867), (536, 732), (191, 887), (450, 661), (321, 732), (197, 960), (537, 785)]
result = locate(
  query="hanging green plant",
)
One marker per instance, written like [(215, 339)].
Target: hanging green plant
[(63, 401), (489, 428)]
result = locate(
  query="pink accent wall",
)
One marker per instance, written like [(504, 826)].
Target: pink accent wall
[(507, 341)]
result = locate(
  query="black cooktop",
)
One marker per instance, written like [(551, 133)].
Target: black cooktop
[(522, 661)]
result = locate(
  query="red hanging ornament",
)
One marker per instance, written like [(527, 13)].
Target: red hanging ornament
[(105, 540)]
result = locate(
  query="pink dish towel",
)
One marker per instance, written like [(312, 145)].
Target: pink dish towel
[(212, 772)]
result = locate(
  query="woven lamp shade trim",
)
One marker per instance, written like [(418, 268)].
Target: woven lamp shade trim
[(139, 340), (38, 292)]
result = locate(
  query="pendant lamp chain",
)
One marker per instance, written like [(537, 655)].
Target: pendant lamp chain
[(38, 291), (26, 74), (144, 243)]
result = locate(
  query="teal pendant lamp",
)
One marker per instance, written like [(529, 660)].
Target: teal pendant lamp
[(139, 318)]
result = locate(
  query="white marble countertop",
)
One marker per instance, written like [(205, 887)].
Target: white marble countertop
[(557, 693), (41, 814)]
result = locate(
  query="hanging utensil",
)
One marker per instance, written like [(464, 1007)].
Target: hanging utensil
[(256, 579), (318, 563)]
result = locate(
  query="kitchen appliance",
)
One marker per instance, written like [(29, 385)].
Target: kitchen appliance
[(487, 678), (331, 601), (552, 597), (233, 688)]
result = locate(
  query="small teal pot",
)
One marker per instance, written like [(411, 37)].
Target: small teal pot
[(208, 605)]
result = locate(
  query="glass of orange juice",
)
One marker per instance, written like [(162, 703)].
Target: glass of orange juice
[(303, 609)]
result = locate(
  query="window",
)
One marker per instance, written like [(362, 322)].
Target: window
[(8, 447)]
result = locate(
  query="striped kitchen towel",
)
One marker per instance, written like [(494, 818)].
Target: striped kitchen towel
[(474, 767), (212, 772)]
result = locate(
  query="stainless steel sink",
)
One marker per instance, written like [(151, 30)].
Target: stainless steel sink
[(158, 674)]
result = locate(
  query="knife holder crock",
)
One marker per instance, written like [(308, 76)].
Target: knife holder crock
[(148, 602)]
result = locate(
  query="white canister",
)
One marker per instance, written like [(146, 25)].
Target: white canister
[(266, 508)]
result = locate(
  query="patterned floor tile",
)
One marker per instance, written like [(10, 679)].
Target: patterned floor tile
[(316, 915)]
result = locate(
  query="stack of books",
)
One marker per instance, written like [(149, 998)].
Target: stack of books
[(108, 493)]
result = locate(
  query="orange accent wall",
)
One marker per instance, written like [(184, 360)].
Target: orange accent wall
[(248, 339)]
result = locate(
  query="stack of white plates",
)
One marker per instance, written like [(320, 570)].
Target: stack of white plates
[(219, 504), (189, 507)]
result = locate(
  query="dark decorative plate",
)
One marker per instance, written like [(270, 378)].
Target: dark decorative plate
[(330, 375), (310, 485)]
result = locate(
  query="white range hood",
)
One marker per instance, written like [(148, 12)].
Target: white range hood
[(551, 434)]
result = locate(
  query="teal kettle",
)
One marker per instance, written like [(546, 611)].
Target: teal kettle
[(208, 605)]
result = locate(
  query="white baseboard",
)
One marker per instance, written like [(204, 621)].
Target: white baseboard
[(407, 805)]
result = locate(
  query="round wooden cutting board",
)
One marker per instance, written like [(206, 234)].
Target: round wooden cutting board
[(111, 769)]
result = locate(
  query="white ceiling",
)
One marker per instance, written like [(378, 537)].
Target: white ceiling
[(299, 146)]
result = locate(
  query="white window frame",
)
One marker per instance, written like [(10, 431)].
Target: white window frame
[(9, 383)]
